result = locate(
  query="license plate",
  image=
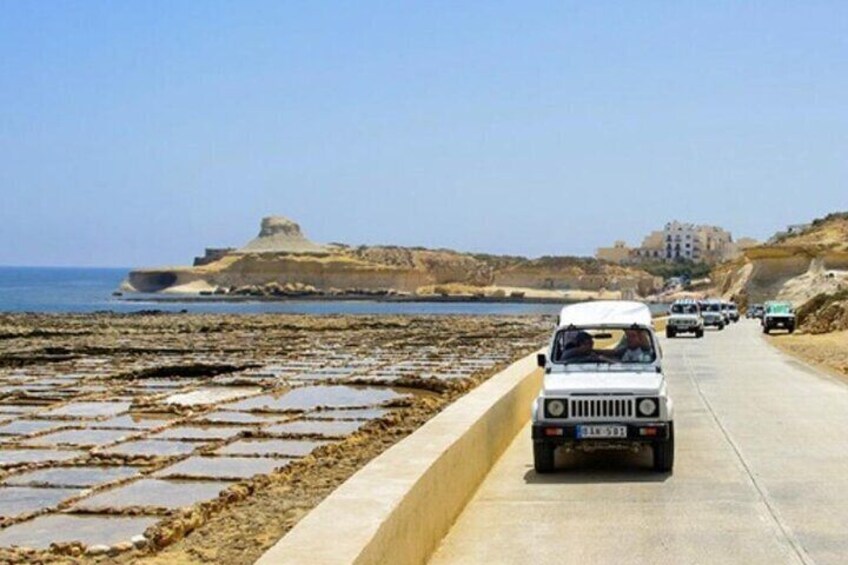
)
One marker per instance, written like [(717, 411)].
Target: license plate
[(601, 432)]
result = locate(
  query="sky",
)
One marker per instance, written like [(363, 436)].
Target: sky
[(137, 133)]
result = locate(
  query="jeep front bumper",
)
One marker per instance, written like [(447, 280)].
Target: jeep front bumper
[(684, 327), (560, 434)]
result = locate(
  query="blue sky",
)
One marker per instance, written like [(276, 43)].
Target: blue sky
[(137, 133)]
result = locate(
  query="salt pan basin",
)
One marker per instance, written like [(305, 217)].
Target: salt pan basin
[(89, 530), (154, 493)]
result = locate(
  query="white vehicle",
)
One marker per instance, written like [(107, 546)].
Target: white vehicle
[(733, 312), (684, 316), (603, 386), (711, 313)]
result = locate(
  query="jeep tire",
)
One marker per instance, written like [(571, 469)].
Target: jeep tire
[(720, 326), (664, 453), (699, 333), (543, 457), (765, 329), (669, 332)]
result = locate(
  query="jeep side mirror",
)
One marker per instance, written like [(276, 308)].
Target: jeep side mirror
[(541, 360)]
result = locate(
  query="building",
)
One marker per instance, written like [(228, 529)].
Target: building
[(677, 241), (618, 253)]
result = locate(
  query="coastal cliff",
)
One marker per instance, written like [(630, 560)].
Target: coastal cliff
[(796, 268), (281, 261)]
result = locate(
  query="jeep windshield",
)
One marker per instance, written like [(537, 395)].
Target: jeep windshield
[(617, 346), (712, 308), (684, 309), (779, 309)]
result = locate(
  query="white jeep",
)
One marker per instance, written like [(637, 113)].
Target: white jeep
[(603, 386), (684, 316), (711, 313)]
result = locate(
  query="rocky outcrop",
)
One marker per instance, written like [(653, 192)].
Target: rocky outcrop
[(282, 262), (824, 313), (281, 235)]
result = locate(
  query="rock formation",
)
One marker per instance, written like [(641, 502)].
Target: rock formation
[(796, 268), (281, 261), (824, 313), (281, 235)]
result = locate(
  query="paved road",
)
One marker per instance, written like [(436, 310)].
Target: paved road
[(761, 475)]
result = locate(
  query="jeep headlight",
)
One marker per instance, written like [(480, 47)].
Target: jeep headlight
[(555, 408), (647, 407)]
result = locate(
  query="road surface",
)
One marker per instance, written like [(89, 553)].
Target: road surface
[(761, 475)]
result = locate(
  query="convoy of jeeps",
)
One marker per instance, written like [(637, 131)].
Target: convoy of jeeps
[(604, 387), (692, 316)]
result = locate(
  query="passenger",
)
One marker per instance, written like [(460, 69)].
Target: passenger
[(636, 347), (581, 350)]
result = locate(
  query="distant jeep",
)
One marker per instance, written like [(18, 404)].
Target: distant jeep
[(733, 312), (684, 317), (711, 313), (603, 387), (778, 315)]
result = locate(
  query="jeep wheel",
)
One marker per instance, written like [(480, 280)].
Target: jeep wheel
[(765, 329), (664, 453), (721, 326), (543, 457), (669, 332), (790, 328), (699, 333)]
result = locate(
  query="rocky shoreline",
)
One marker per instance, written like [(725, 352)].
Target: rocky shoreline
[(376, 296)]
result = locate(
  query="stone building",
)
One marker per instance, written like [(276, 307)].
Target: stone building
[(618, 253), (677, 241)]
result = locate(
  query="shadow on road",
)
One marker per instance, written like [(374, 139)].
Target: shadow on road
[(600, 467)]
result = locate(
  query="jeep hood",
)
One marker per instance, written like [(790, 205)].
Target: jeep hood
[(683, 317), (603, 383)]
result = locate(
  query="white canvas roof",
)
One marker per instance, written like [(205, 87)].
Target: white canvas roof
[(605, 312)]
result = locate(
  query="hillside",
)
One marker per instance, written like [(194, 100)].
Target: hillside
[(824, 313), (795, 268), (281, 261)]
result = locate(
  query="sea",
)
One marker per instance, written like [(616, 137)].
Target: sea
[(79, 290)]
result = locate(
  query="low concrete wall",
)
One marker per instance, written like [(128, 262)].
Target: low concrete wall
[(398, 508)]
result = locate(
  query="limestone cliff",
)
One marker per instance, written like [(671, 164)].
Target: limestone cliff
[(574, 273), (795, 268), (281, 260)]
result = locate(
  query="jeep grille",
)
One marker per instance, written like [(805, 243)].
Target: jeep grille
[(602, 408)]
